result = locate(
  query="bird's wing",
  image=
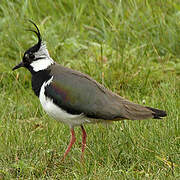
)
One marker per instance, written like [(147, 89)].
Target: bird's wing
[(77, 93)]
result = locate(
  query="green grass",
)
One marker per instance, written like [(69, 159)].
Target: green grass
[(133, 48)]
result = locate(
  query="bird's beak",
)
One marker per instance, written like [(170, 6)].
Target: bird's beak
[(21, 64)]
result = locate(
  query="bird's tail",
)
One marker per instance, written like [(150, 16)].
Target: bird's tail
[(158, 114), (134, 111)]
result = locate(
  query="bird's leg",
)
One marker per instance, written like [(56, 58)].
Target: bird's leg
[(72, 141), (83, 141)]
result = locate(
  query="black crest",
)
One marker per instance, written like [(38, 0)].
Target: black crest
[(38, 45)]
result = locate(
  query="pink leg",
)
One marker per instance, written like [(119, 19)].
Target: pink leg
[(72, 141), (83, 141)]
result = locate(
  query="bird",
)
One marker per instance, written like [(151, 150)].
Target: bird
[(74, 98)]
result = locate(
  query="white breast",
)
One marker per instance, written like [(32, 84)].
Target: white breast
[(57, 113)]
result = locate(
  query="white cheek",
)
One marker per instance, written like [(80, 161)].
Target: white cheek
[(41, 64)]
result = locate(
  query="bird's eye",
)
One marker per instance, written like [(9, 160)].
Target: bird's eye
[(31, 56)]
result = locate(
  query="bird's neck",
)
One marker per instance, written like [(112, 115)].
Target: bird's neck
[(42, 64), (38, 79)]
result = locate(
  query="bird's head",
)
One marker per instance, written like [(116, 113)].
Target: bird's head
[(37, 57)]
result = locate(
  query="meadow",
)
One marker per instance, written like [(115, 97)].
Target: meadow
[(131, 47)]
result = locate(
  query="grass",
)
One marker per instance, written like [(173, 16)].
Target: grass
[(133, 48)]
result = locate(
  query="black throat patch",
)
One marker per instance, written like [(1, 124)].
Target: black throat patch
[(38, 79)]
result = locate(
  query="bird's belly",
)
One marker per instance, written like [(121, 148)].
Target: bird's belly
[(59, 114)]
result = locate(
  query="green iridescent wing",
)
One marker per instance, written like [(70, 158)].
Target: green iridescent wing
[(77, 93)]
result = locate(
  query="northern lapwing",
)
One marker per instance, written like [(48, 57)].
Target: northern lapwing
[(75, 98)]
